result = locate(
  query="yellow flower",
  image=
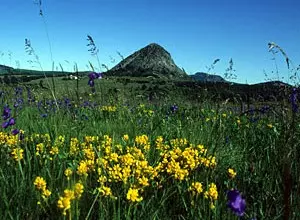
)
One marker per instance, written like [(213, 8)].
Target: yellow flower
[(133, 195), (231, 173), (64, 203), (17, 154), (102, 179), (82, 169), (105, 191), (39, 148), (143, 141), (69, 194), (125, 137), (212, 192), (196, 187), (78, 190), (108, 108), (114, 157), (270, 125), (54, 151), (40, 183), (46, 193), (89, 153), (68, 172), (143, 181), (74, 146)]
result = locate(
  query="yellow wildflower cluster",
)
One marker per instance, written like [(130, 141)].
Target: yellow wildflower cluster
[(143, 111), (124, 164), (8, 140), (196, 188), (41, 185), (179, 143), (17, 154), (180, 163), (231, 173), (11, 144), (105, 191), (83, 168), (143, 142), (211, 194), (74, 146), (58, 144), (133, 195), (108, 108), (43, 145), (64, 202), (88, 163), (128, 167), (125, 137), (68, 172), (39, 138), (40, 148)]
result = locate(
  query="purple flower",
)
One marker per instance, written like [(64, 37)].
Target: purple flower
[(18, 91), (293, 98), (6, 113), (5, 124), (174, 108), (11, 121), (94, 75), (99, 75), (91, 83), (236, 203), (15, 131)]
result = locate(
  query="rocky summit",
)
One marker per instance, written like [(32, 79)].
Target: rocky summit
[(152, 60)]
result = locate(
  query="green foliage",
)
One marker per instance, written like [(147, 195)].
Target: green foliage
[(261, 147)]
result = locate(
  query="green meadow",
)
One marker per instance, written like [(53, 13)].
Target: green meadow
[(142, 148)]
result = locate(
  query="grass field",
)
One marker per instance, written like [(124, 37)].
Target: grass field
[(122, 150)]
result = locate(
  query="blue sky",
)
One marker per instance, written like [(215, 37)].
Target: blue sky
[(195, 32)]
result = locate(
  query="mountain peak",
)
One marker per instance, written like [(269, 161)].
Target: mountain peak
[(151, 60)]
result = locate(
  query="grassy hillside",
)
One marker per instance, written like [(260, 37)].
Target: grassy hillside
[(144, 148)]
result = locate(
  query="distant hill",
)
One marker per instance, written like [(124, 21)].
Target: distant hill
[(152, 60), (205, 77), (6, 69), (275, 83)]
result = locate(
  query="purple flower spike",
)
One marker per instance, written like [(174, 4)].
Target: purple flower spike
[(91, 83), (236, 203), (11, 121), (174, 108), (6, 113), (5, 124), (15, 132), (99, 75), (94, 75), (293, 98)]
